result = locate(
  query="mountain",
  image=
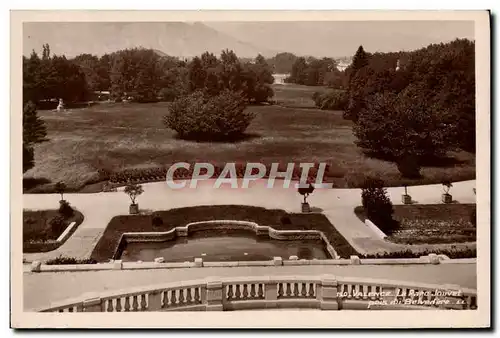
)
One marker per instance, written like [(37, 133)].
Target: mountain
[(181, 39)]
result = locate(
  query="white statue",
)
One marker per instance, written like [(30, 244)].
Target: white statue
[(60, 106)]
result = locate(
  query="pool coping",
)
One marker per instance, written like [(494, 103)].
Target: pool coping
[(260, 230)]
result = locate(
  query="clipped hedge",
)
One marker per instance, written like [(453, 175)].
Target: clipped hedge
[(451, 253), (62, 260)]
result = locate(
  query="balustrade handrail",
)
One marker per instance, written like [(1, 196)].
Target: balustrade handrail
[(326, 288)]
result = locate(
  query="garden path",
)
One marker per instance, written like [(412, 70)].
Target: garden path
[(336, 204)]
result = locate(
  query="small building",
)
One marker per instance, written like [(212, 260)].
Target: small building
[(280, 78)]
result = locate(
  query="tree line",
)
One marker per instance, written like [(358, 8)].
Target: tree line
[(142, 75)]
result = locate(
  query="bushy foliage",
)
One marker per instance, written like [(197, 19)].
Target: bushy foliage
[(57, 224), (62, 260), (157, 221), (34, 131), (404, 124), (133, 190), (331, 100), (305, 189), (65, 209), (377, 205), (201, 117), (450, 253), (312, 71), (473, 217), (409, 166)]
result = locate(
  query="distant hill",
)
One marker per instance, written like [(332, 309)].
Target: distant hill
[(171, 38)]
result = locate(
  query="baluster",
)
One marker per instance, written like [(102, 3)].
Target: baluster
[(189, 299), (295, 289), (238, 292), (197, 295), (127, 303), (252, 290), (181, 296), (245, 291), (288, 290), (280, 290), (261, 291), (110, 305), (135, 303), (230, 292), (349, 291), (143, 302), (420, 298), (118, 304), (312, 292), (173, 299), (79, 308), (365, 291), (303, 292)]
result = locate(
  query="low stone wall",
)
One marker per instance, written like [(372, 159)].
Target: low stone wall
[(375, 229), (259, 230), (276, 261)]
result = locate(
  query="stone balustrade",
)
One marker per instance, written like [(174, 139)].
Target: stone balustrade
[(325, 292)]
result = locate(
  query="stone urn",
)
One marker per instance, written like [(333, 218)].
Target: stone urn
[(406, 199), (446, 198), (306, 207), (133, 209)]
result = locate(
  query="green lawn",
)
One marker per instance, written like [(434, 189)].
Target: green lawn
[(125, 135)]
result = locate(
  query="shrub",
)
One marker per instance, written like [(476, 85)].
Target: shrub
[(377, 205), (60, 188), (473, 218), (133, 190), (285, 220), (200, 117), (409, 167), (331, 100), (62, 260), (57, 224), (306, 190), (156, 221), (65, 209)]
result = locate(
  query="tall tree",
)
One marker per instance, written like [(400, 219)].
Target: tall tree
[(34, 131)]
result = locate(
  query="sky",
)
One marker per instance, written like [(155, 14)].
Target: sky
[(326, 38)]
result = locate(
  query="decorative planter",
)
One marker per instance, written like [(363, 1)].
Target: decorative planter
[(133, 209), (306, 207), (446, 198), (406, 199)]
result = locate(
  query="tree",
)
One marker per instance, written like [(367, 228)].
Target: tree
[(60, 188), (305, 190), (133, 190), (298, 74), (359, 60), (202, 117), (396, 126), (377, 205), (197, 75), (34, 131)]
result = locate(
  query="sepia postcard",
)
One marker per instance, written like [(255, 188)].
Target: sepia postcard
[(321, 169)]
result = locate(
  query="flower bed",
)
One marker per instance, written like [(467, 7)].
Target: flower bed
[(160, 173), (39, 235), (277, 219), (432, 224)]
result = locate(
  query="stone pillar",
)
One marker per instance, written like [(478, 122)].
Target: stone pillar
[(117, 264), (92, 305), (278, 261), (355, 260), (214, 296), (154, 301), (328, 295), (198, 262), (271, 294), (36, 266)]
